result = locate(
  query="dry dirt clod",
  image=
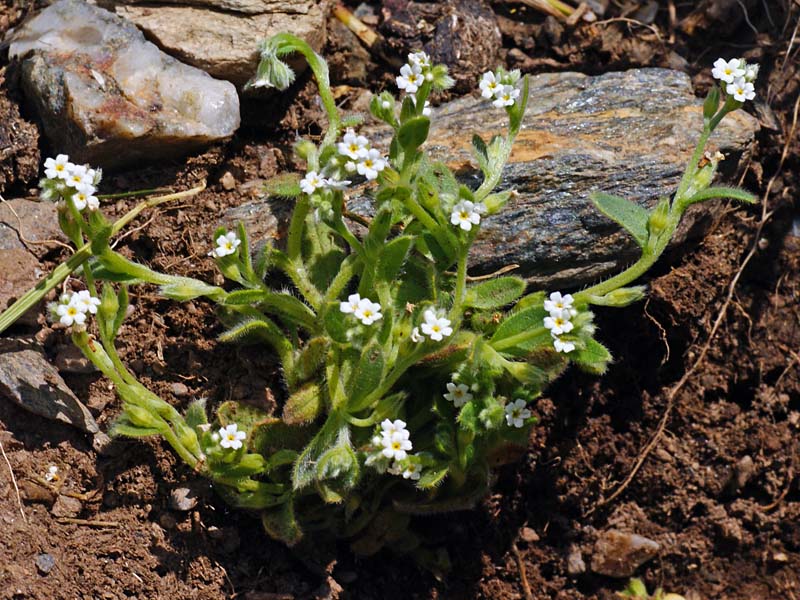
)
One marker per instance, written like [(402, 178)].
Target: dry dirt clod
[(66, 507), (619, 554), (575, 563)]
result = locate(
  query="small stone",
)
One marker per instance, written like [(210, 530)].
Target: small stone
[(529, 535), (179, 390), (227, 181), (66, 507), (183, 499), (45, 563), (745, 469), (619, 554), (69, 359), (107, 96), (575, 563), (167, 521)]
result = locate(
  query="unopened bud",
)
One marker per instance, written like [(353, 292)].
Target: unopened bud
[(142, 417), (620, 297)]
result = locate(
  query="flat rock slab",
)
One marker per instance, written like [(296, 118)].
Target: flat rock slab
[(628, 133), (107, 96), (221, 37)]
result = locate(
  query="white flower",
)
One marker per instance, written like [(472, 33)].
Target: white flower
[(436, 327), (728, 71), (466, 214), (415, 335), (311, 182), (410, 78), (58, 167), (559, 322), (86, 302), (557, 302), (82, 200), (412, 471), (419, 59), (353, 146), (516, 413), (368, 311), (52, 473), (371, 164), (389, 428), (350, 166), (92, 202), (751, 72), (386, 105), (426, 108), (226, 244), (562, 346), (337, 184), (231, 437), (489, 85), (70, 314), (79, 176), (86, 188), (396, 446), (351, 305), (741, 90), (458, 394), (506, 97)]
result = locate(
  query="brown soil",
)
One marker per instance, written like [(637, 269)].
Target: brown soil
[(719, 491)]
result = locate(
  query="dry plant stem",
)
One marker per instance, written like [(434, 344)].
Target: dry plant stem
[(523, 576), (14, 481), (354, 24), (556, 8), (82, 254), (765, 216)]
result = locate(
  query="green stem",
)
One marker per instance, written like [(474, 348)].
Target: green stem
[(691, 168), (294, 243)]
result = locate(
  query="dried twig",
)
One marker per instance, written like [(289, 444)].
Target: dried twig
[(14, 482), (87, 522), (523, 577)]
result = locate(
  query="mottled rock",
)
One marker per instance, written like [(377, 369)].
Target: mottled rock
[(575, 563), (28, 380), (70, 359), (628, 133), (20, 271), (220, 38), (45, 563), (65, 506), (33, 224), (107, 96), (183, 499), (19, 145), (619, 554)]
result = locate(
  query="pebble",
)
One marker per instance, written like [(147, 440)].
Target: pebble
[(179, 389), (65, 506), (575, 562), (228, 181), (529, 535), (45, 563), (619, 554), (183, 499)]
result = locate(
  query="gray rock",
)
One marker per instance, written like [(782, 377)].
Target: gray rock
[(575, 563), (107, 96), (627, 133), (28, 380), (45, 563), (183, 499), (619, 554), (31, 225), (221, 37), (65, 506), (69, 359)]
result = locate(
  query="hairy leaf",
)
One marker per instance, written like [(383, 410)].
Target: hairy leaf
[(629, 215)]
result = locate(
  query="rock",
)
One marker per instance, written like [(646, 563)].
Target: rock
[(529, 535), (32, 224), (45, 563), (183, 499), (221, 37), (627, 133), (107, 96), (619, 554), (179, 389), (19, 145), (66, 507), (744, 470), (28, 380), (575, 564), (20, 271), (167, 521), (69, 359)]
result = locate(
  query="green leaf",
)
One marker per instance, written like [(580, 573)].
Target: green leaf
[(432, 477), (413, 133), (518, 110), (481, 153), (711, 102), (495, 293), (338, 472), (304, 472), (260, 326), (392, 257), (244, 415), (310, 359), (186, 288), (408, 110), (272, 435), (337, 324), (122, 311), (196, 414), (304, 405), (128, 429), (279, 303), (281, 524), (594, 358), (632, 217), (521, 322), (366, 377), (721, 192)]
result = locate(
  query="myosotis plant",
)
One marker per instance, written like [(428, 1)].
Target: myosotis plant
[(406, 381)]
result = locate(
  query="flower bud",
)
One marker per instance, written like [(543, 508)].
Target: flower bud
[(658, 218), (620, 297), (142, 417)]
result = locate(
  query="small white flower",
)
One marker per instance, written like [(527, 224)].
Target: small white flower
[(351, 305), (215, 437), (562, 346), (415, 335), (394, 469), (506, 97), (466, 214), (559, 322), (79, 176), (226, 244), (741, 90), (557, 302), (83, 200), (353, 146), (70, 314), (350, 166), (337, 184), (489, 85), (368, 311), (396, 446), (458, 394), (410, 78), (58, 167), (386, 105), (516, 413), (727, 71), (86, 302), (231, 437), (52, 473), (419, 59), (370, 165), (92, 202), (412, 471), (389, 428), (751, 72), (426, 108), (86, 188), (312, 182), (435, 327)]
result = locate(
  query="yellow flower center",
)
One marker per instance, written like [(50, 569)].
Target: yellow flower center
[(395, 445)]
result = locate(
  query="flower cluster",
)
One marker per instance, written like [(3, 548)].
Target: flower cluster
[(516, 413), (395, 444), (560, 320), (465, 214), (737, 76), (500, 87), (313, 181), (67, 180), (227, 244), (72, 308), (414, 73), (364, 309), (367, 161)]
